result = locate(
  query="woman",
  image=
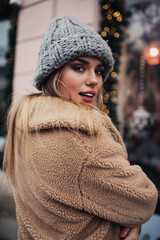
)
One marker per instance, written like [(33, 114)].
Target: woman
[(65, 159)]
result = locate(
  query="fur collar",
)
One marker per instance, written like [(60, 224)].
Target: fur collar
[(52, 112)]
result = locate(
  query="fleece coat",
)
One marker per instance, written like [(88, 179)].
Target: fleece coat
[(74, 185)]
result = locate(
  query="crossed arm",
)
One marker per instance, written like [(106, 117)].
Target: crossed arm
[(130, 233)]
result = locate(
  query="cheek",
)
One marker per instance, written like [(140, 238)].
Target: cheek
[(72, 81), (100, 85), (72, 84)]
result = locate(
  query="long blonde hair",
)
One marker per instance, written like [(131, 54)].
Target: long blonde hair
[(19, 116)]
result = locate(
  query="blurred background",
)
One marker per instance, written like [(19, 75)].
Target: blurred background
[(132, 92)]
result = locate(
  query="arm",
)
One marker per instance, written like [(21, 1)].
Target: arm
[(114, 190), (130, 233)]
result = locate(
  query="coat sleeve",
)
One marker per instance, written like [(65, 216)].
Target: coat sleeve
[(113, 189), (90, 173)]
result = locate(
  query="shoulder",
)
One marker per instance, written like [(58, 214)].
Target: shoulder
[(48, 112)]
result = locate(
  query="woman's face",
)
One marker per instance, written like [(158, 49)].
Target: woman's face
[(81, 79)]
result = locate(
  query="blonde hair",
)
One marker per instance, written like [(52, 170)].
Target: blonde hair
[(19, 116)]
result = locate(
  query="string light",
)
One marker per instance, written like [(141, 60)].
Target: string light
[(105, 7), (105, 97), (103, 34), (119, 19), (107, 111), (113, 93), (111, 29), (109, 17), (116, 35), (116, 14), (106, 29), (113, 74)]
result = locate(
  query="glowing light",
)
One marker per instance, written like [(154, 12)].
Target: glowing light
[(154, 52), (105, 7), (106, 111), (109, 17), (116, 14), (113, 74), (113, 93), (119, 19), (105, 97), (116, 34), (151, 53), (103, 34), (106, 29)]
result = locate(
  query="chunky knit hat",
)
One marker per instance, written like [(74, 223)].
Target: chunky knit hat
[(66, 39)]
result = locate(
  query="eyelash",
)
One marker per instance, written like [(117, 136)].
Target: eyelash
[(78, 67), (81, 68), (99, 70)]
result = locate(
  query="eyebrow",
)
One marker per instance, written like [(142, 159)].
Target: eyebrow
[(86, 62)]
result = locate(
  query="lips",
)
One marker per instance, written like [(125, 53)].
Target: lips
[(89, 94)]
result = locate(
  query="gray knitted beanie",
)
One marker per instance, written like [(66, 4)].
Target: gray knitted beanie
[(66, 39)]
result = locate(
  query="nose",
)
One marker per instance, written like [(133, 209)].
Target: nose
[(92, 78)]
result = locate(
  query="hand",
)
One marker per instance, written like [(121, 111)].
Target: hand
[(130, 233)]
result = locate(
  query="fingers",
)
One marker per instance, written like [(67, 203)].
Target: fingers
[(130, 233), (124, 232)]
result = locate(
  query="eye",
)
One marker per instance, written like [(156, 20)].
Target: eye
[(99, 71), (79, 68)]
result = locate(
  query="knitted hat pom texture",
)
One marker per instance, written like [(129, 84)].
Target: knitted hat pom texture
[(65, 39)]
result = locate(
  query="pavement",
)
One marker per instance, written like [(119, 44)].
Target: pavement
[(8, 223)]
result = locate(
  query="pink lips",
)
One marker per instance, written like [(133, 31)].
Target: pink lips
[(87, 96)]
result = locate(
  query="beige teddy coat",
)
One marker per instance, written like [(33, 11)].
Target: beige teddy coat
[(74, 185)]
